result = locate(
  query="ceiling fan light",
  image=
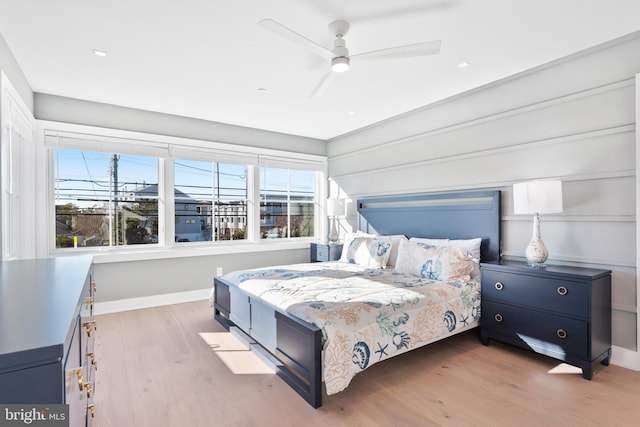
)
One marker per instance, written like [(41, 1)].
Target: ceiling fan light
[(340, 64)]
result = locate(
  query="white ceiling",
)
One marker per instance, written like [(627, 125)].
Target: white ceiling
[(209, 58)]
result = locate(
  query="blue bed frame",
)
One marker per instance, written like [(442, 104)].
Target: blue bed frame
[(456, 215)]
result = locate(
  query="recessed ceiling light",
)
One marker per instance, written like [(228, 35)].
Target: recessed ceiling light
[(463, 64), (98, 52), (351, 113), (262, 89)]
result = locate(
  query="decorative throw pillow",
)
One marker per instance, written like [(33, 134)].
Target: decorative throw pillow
[(348, 238), (395, 244), (370, 252), (470, 246), (446, 263)]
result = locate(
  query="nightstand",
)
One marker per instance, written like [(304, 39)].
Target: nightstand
[(325, 251), (559, 311)]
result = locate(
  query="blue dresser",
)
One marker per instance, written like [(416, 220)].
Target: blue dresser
[(47, 334), (559, 311)]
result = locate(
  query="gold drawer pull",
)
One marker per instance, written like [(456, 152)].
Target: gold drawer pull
[(499, 286), (561, 333), (498, 317), (78, 373), (94, 286), (89, 300), (92, 356), (92, 408), (562, 290), (90, 325), (88, 387)]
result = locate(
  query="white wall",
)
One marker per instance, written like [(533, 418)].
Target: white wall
[(139, 279), (77, 111), (573, 119), (12, 70)]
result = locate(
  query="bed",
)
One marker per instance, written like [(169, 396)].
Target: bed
[(408, 277)]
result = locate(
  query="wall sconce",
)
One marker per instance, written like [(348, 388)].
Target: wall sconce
[(335, 208), (537, 197)]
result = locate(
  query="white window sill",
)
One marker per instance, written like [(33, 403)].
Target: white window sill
[(110, 255)]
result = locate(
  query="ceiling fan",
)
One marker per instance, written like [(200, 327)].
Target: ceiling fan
[(339, 55)]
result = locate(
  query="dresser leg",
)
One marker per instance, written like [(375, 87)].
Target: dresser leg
[(607, 359), (587, 372), (484, 338)]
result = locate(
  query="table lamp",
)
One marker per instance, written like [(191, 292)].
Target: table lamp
[(537, 197)]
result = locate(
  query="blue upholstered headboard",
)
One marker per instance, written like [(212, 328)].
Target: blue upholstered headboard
[(456, 215)]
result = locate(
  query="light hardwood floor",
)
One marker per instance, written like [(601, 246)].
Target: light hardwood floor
[(156, 370)]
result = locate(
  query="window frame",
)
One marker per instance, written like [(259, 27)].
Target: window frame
[(247, 200), (109, 201), (289, 202), (174, 146)]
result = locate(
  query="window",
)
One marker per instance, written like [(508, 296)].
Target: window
[(123, 190), (210, 201), (105, 199), (287, 205)]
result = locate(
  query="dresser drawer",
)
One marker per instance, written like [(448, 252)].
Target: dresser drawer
[(545, 333), (555, 295)]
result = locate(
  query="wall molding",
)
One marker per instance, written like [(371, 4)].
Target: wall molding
[(574, 218), (486, 185), (491, 117), (108, 307), (603, 263), (628, 128), (624, 307)]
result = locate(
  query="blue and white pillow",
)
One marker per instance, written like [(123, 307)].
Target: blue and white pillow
[(470, 246), (369, 252), (445, 263)]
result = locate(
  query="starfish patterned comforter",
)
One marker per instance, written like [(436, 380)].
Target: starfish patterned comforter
[(366, 315)]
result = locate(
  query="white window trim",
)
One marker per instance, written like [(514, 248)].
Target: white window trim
[(174, 146), (18, 212)]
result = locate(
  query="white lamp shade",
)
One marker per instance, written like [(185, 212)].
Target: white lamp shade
[(335, 207), (537, 197)]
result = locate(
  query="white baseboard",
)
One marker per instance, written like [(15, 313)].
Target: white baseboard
[(626, 358), (150, 301)]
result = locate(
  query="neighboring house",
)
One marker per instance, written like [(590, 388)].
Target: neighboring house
[(195, 221)]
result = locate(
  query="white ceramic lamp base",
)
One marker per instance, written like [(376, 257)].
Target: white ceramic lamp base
[(536, 252), (333, 231)]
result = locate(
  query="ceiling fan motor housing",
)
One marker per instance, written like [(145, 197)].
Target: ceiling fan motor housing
[(340, 48)]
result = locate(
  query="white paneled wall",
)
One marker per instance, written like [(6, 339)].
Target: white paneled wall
[(573, 120)]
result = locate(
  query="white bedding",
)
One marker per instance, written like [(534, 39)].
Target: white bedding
[(366, 315)]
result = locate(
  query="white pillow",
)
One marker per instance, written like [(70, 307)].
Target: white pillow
[(395, 244), (348, 238), (432, 242), (395, 241), (445, 263), (369, 252), (470, 246)]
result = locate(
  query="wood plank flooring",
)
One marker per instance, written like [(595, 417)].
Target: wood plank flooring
[(155, 369)]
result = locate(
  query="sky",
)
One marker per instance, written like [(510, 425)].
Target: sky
[(86, 178)]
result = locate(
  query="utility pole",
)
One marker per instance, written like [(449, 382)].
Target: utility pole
[(114, 171)]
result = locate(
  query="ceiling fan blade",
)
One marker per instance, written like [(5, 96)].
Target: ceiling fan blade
[(288, 33), (406, 51), (323, 85)]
